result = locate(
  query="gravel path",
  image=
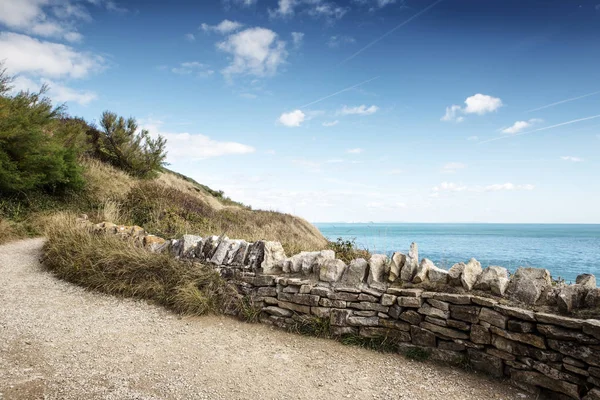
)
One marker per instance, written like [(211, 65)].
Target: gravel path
[(58, 341)]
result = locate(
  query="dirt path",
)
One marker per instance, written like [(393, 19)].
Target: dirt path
[(58, 341)]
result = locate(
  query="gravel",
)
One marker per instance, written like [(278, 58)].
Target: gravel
[(59, 341)]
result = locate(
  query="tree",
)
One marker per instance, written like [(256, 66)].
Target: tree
[(31, 154), (119, 143)]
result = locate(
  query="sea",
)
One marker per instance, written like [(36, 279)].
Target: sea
[(566, 250)]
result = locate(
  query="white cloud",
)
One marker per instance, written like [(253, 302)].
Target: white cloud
[(297, 38), (481, 104), (375, 4), (473, 138), (454, 187), (48, 18), (452, 167), (243, 3), (449, 187), (57, 92), (314, 8), (292, 119), (337, 40), (182, 146), (571, 158), (332, 123), (395, 172), (194, 67), (358, 150), (508, 186), (255, 51), (521, 126), (224, 27), (359, 110), (477, 104), (452, 114), (190, 37), (24, 54)]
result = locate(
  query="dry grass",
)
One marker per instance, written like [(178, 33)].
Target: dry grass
[(10, 231), (105, 182), (116, 266)]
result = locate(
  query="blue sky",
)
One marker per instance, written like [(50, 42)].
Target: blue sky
[(359, 110)]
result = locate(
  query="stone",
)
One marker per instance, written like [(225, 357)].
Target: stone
[(305, 299), (266, 291), (555, 332), (436, 321), (272, 301), (576, 370), (388, 300), (494, 279), (426, 309), (493, 317), (410, 265), (405, 292), (220, 252), (500, 354), (538, 379), (376, 332), (586, 280), (379, 268), (363, 321), (273, 254), (520, 313), (442, 305), (449, 345), (593, 394), (412, 317), (278, 312), (486, 363), (592, 327), (388, 323), (395, 311), (465, 313), (520, 326), (356, 273), (422, 337), (208, 248), (463, 326), (323, 302), (332, 270), (555, 373), (470, 274), (186, 246), (437, 275), (528, 284), (236, 253), (526, 338), (343, 330), (154, 244), (368, 297), (461, 299), (553, 319), (574, 362), (306, 261), (446, 332), (570, 297), (422, 273), (339, 317), (484, 301), (321, 291), (349, 289), (305, 289), (344, 296), (411, 302), (592, 299), (522, 350), (396, 264), (364, 313), (455, 273), (294, 307), (480, 335), (367, 306)]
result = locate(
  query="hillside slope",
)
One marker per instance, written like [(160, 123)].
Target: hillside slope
[(169, 205)]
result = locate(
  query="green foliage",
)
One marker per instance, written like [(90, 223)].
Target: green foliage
[(417, 354), (311, 326), (119, 143), (33, 150), (346, 250), (248, 310)]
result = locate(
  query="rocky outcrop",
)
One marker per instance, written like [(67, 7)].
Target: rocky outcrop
[(528, 284)]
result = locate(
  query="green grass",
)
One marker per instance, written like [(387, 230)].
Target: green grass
[(311, 326), (417, 354), (381, 344)]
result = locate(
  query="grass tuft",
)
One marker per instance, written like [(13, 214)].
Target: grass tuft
[(311, 326), (417, 354), (109, 264), (381, 343)]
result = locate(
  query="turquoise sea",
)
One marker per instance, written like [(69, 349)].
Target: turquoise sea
[(566, 250)]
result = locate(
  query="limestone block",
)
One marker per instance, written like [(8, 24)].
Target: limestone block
[(528, 284), (494, 279)]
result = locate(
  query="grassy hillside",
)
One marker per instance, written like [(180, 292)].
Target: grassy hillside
[(169, 205)]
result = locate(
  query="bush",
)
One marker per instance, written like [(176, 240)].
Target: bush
[(347, 250), (120, 144), (32, 152)]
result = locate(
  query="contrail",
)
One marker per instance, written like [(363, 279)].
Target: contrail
[(341, 91), (563, 101), (541, 129), (390, 32)]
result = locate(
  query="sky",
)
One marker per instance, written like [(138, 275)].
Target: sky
[(341, 111)]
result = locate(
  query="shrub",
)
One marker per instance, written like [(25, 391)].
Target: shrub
[(119, 143), (347, 250), (32, 152)]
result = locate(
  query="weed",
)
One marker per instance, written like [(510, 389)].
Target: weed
[(248, 310), (382, 344), (311, 326), (417, 354), (347, 250)]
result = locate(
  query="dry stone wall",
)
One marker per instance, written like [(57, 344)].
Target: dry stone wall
[(506, 326)]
